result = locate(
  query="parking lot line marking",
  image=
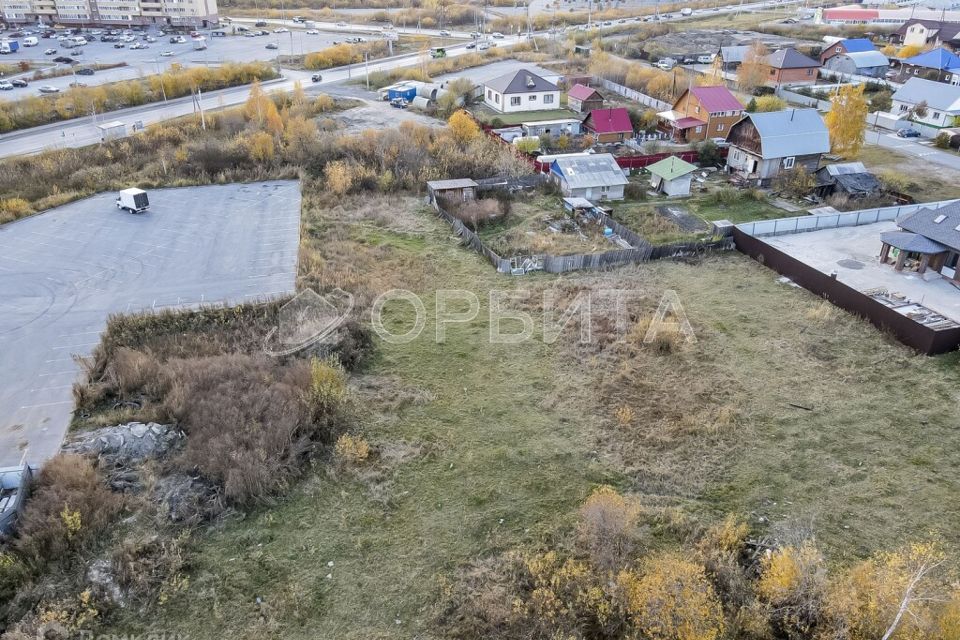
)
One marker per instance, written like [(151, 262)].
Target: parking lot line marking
[(46, 404)]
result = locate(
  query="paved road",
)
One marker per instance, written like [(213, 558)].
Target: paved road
[(83, 132), (63, 272), (915, 149)]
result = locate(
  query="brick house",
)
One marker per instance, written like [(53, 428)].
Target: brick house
[(609, 125), (789, 66), (701, 113)]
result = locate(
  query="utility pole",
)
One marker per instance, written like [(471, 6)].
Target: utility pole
[(366, 67)]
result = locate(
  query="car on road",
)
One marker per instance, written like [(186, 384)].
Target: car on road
[(250, 34), (119, 45), (444, 32), (312, 32), (139, 45), (166, 54), (483, 46), (908, 133), (471, 45), (5, 86), (150, 39), (497, 35), (341, 24), (260, 23), (74, 85), (273, 45), (281, 30), (19, 82), (298, 19), (85, 71), (177, 40), (316, 78), (50, 52), (49, 89), (63, 60)]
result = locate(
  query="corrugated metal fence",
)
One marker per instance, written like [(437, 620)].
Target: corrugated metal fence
[(635, 95), (784, 226)]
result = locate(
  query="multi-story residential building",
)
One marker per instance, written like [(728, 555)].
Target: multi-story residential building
[(180, 13)]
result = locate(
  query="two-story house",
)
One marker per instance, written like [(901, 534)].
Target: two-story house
[(934, 104), (762, 145), (701, 113)]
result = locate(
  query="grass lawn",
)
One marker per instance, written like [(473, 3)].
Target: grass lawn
[(744, 209), (643, 218), (926, 181), (488, 447)]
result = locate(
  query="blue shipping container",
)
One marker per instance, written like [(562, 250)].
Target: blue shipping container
[(407, 93)]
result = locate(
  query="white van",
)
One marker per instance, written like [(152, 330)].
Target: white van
[(704, 59), (31, 41)]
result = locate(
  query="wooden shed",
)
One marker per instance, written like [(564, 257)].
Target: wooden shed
[(459, 189)]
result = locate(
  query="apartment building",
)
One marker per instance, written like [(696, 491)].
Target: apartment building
[(178, 13)]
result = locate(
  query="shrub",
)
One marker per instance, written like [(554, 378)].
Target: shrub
[(69, 508), (793, 582), (14, 208), (476, 213), (607, 528), (942, 141), (351, 449)]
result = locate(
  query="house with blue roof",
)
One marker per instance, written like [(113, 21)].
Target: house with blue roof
[(848, 45), (935, 64)]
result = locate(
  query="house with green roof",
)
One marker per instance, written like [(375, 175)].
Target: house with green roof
[(672, 176)]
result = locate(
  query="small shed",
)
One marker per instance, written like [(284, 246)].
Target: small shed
[(406, 91), (112, 130), (584, 99), (849, 178), (459, 189), (672, 176)]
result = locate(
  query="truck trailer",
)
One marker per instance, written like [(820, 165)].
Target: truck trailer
[(133, 200), (9, 46)]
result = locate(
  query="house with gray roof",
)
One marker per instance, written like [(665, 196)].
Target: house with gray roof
[(928, 239), (762, 145), (520, 90), (594, 176), (942, 102), (859, 63), (789, 66)]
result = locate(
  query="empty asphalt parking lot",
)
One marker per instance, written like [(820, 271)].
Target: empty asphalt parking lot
[(62, 273)]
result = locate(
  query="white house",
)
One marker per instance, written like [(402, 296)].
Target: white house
[(591, 176), (942, 102), (521, 90)]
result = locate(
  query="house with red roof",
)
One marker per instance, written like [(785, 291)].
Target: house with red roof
[(584, 99), (609, 125), (701, 113)]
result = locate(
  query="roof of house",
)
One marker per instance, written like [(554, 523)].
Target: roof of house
[(792, 132), (715, 99), (906, 241), (735, 53), (945, 30), (688, 122), (937, 95), (852, 177), (940, 225), (671, 168), (790, 59), (594, 170), (856, 45), (520, 81), (616, 120), (848, 13), (456, 183), (938, 58), (867, 59), (583, 92)]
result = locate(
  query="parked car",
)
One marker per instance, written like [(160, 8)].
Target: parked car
[(316, 78), (5, 86), (281, 30), (85, 71), (260, 23), (908, 133), (49, 89), (63, 60), (50, 52), (150, 39), (444, 32), (299, 19), (312, 32), (20, 83), (483, 46), (166, 54), (119, 45), (139, 45), (272, 45), (341, 24)]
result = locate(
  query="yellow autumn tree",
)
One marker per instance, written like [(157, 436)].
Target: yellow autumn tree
[(259, 107), (753, 70), (770, 103), (847, 121), (671, 598), (890, 595), (908, 51), (339, 177), (607, 527), (261, 146), (463, 128)]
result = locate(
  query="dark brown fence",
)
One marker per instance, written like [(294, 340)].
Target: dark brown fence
[(922, 338)]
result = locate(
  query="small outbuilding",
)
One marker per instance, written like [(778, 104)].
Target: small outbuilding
[(672, 176), (460, 189), (584, 99), (591, 176), (847, 178)]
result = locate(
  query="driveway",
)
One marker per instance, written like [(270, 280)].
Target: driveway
[(916, 149), (62, 273)]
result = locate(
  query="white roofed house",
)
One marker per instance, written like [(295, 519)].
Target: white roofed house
[(762, 145), (591, 176), (520, 90), (942, 102)]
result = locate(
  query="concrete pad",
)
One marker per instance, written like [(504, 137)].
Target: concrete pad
[(62, 273), (854, 254)]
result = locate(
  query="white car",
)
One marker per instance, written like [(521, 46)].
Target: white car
[(166, 54), (139, 45), (281, 30), (497, 35), (444, 32), (313, 32), (49, 89), (49, 52), (483, 46), (5, 86)]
